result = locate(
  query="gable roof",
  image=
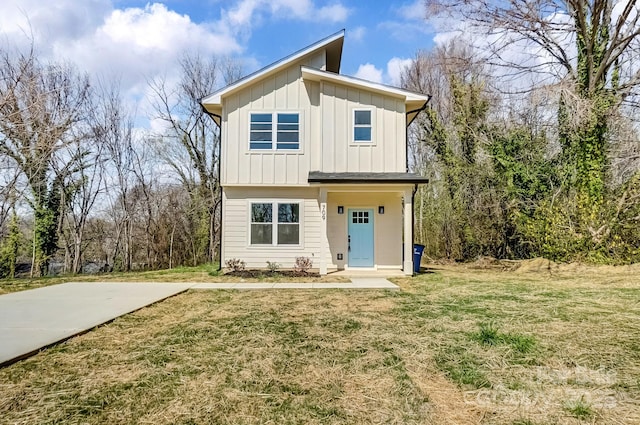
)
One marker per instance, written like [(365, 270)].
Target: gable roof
[(414, 102), (332, 44)]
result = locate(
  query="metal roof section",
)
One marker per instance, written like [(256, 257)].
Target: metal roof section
[(364, 178), (332, 44)]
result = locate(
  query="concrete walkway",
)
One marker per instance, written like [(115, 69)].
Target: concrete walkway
[(34, 319), (31, 320)]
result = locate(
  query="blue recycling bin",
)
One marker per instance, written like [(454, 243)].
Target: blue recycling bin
[(417, 256)]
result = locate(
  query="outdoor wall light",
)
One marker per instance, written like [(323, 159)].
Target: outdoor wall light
[(381, 209), (340, 209)]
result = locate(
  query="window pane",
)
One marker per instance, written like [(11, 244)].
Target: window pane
[(288, 234), (261, 213), (261, 234), (291, 146), (260, 127), (287, 118), (362, 134), (287, 137), (288, 213), (260, 136), (260, 145), (362, 117), (288, 127), (255, 118)]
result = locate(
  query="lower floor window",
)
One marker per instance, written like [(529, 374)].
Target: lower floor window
[(275, 223)]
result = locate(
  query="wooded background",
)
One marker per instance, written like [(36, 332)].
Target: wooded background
[(530, 142)]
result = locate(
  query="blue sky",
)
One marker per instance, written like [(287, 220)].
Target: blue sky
[(256, 31), (376, 31), (136, 41)]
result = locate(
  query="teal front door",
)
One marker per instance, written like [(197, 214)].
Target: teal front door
[(360, 238)]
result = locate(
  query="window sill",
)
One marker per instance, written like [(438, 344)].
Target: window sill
[(275, 246), (271, 152)]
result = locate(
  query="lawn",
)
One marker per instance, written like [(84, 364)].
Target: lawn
[(455, 346)]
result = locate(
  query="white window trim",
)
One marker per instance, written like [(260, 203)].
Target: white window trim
[(352, 126), (274, 131), (274, 229)]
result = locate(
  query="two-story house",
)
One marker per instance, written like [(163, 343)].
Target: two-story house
[(314, 164)]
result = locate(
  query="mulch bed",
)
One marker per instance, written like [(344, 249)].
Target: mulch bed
[(266, 273)]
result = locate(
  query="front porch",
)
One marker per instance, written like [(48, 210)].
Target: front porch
[(364, 228)]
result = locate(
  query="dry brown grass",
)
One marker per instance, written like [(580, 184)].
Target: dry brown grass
[(457, 346)]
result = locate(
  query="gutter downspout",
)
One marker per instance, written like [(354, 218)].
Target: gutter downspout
[(415, 187), (213, 116)]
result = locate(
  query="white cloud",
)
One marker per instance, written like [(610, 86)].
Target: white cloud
[(357, 34), (137, 44), (412, 11), (23, 21), (130, 44), (333, 13), (240, 17), (369, 72), (395, 67)]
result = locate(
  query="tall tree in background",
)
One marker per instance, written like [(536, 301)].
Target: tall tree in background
[(42, 106), (113, 129), (191, 144), (587, 51), (447, 144)]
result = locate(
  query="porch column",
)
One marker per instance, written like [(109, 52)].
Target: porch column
[(408, 232), (323, 231)]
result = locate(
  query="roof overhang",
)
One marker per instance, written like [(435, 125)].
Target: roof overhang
[(366, 178), (332, 45), (414, 102)]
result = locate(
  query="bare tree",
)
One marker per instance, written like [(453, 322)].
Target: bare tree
[(113, 127), (586, 52), (80, 198), (42, 107), (588, 48), (9, 192), (191, 144)]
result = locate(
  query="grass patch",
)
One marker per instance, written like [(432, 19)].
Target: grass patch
[(579, 409), (489, 335), (462, 367), (455, 346)]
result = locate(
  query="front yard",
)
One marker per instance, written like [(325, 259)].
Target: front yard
[(455, 346)]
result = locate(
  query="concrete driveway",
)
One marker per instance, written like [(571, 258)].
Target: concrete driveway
[(31, 320)]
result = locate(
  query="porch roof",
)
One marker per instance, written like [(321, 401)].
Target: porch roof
[(363, 178)]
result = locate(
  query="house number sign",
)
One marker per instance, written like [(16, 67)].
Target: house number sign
[(324, 212)]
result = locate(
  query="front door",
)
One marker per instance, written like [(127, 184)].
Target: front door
[(360, 238)]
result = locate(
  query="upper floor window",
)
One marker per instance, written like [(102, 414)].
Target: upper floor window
[(362, 127), (274, 131)]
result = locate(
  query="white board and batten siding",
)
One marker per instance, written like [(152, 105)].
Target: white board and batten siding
[(282, 92), (386, 152), (326, 130), (237, 226)]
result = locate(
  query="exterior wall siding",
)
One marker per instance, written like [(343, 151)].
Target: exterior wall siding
[(236, 229), (285, 91), (326, 126), (387, 227), (386, 153)]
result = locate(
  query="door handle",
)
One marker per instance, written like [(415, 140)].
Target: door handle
[(349, 246)]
